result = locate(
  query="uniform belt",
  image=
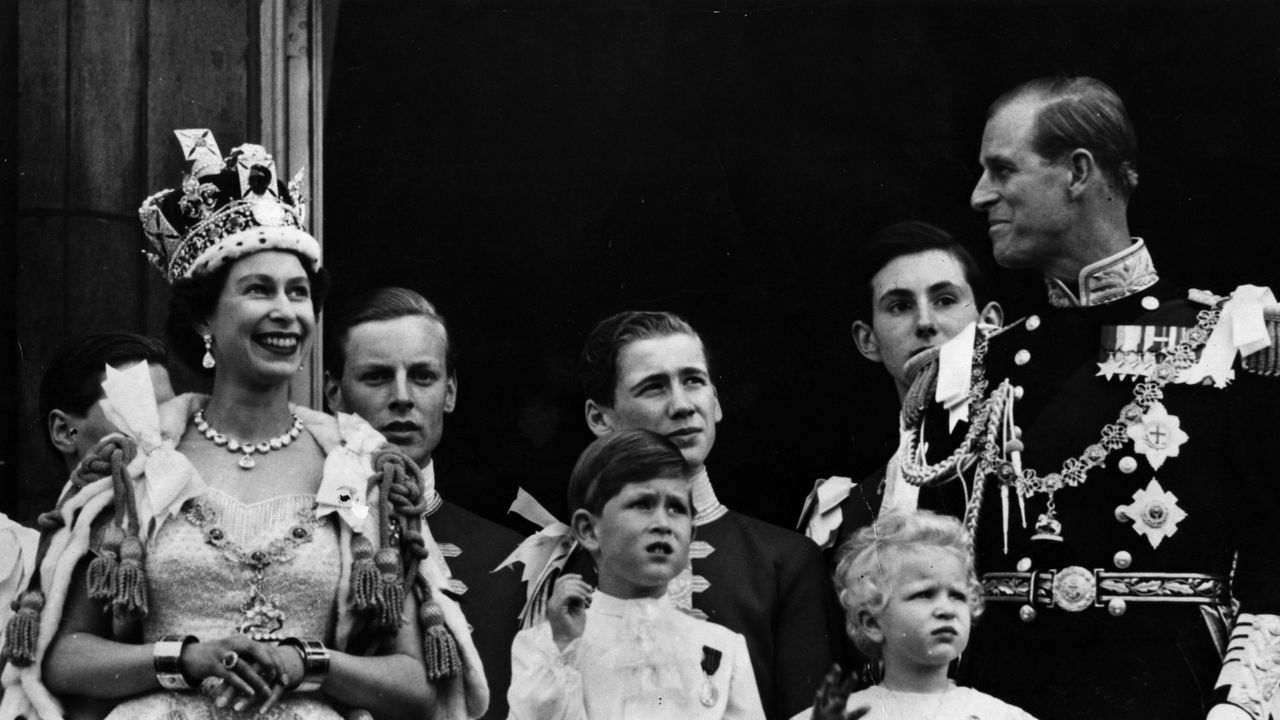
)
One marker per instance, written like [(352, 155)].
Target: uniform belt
[(1075, 588)]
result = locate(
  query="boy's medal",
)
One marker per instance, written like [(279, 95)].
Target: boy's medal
[(710, 663)]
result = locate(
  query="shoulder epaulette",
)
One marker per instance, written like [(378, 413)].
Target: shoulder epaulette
[(1266, 361)]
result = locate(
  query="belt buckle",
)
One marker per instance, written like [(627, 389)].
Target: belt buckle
[(1074, 588)]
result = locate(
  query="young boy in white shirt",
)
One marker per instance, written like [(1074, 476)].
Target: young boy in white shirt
[(910, 594), (623, 649)]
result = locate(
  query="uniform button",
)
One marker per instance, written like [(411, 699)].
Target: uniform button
[(1022, 357), (1033, 322), (1018, 392), (1026, 613), (1116, 607), (1122, 560), (1151, 303), (1024, 564), (1128, 464)]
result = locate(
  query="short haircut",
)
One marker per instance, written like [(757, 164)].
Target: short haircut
[(870, 560), (909, 238), (378, 305), (1081, 112), (618, 459), (194, 299), (72, 382), (598, 363)]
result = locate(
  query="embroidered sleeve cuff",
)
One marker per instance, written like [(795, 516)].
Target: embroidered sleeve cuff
[(1250, 673)]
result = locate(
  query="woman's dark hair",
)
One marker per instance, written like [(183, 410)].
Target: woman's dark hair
[(194, 298), (618, 459)]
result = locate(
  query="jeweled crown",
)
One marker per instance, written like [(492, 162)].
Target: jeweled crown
[(225, 209)]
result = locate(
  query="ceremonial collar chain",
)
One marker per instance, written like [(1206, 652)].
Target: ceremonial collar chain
[(248, 449), (1005, 464), (991, 415), (1114, 435), (263, 617), (915, 469)]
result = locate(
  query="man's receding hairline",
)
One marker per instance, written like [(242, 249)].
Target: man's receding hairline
[(345, 336)]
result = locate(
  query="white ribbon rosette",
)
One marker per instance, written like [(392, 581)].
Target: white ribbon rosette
[(1241, 330), (168, 477), (347, 468), (542, 553), (822, 509)]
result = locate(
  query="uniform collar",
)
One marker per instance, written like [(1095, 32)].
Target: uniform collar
[(429, 493), (1112, 278), (705, 500)]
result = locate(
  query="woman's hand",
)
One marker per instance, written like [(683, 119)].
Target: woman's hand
[(243, 668), (567, 610)]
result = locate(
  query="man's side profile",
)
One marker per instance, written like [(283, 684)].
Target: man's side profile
[(1118, 511)]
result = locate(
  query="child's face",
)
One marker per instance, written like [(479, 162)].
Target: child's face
[(641, 538), (926, 622)]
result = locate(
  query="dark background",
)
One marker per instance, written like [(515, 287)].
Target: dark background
[(535, 165)]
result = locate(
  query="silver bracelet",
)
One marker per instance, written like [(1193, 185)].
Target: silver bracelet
[(315, 662), (167, 659)]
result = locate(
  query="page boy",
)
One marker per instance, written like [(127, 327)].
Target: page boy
[(624, 650)]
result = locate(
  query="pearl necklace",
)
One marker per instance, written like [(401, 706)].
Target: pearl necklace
[(248, 449)]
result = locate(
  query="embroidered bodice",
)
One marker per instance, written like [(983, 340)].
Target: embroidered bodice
[(222, 567)]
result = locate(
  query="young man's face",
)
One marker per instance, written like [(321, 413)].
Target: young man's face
[(395, 378), (641, 537), (664, 386), (926, 621), (918, 301), (1024, 194)]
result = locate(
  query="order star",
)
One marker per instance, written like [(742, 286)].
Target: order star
[(1158, 435)]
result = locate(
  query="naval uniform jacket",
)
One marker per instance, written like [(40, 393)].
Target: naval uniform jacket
[(1131, 658)]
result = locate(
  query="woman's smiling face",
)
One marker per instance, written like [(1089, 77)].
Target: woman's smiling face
[(264, 318)]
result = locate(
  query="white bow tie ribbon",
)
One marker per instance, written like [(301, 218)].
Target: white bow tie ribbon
[(347, 468), (168, 479), (1241, 330), (822, 508), (550, 544)]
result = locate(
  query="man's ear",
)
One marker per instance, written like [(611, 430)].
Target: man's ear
[(992, 314), (871, 626), (333, 392), (599, 418), (583, 524), (63, 429), (451, 393), (1084, 172), (865, 340)]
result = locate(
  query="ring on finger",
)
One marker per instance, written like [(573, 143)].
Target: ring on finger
[(211, 686), (230, 660)]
